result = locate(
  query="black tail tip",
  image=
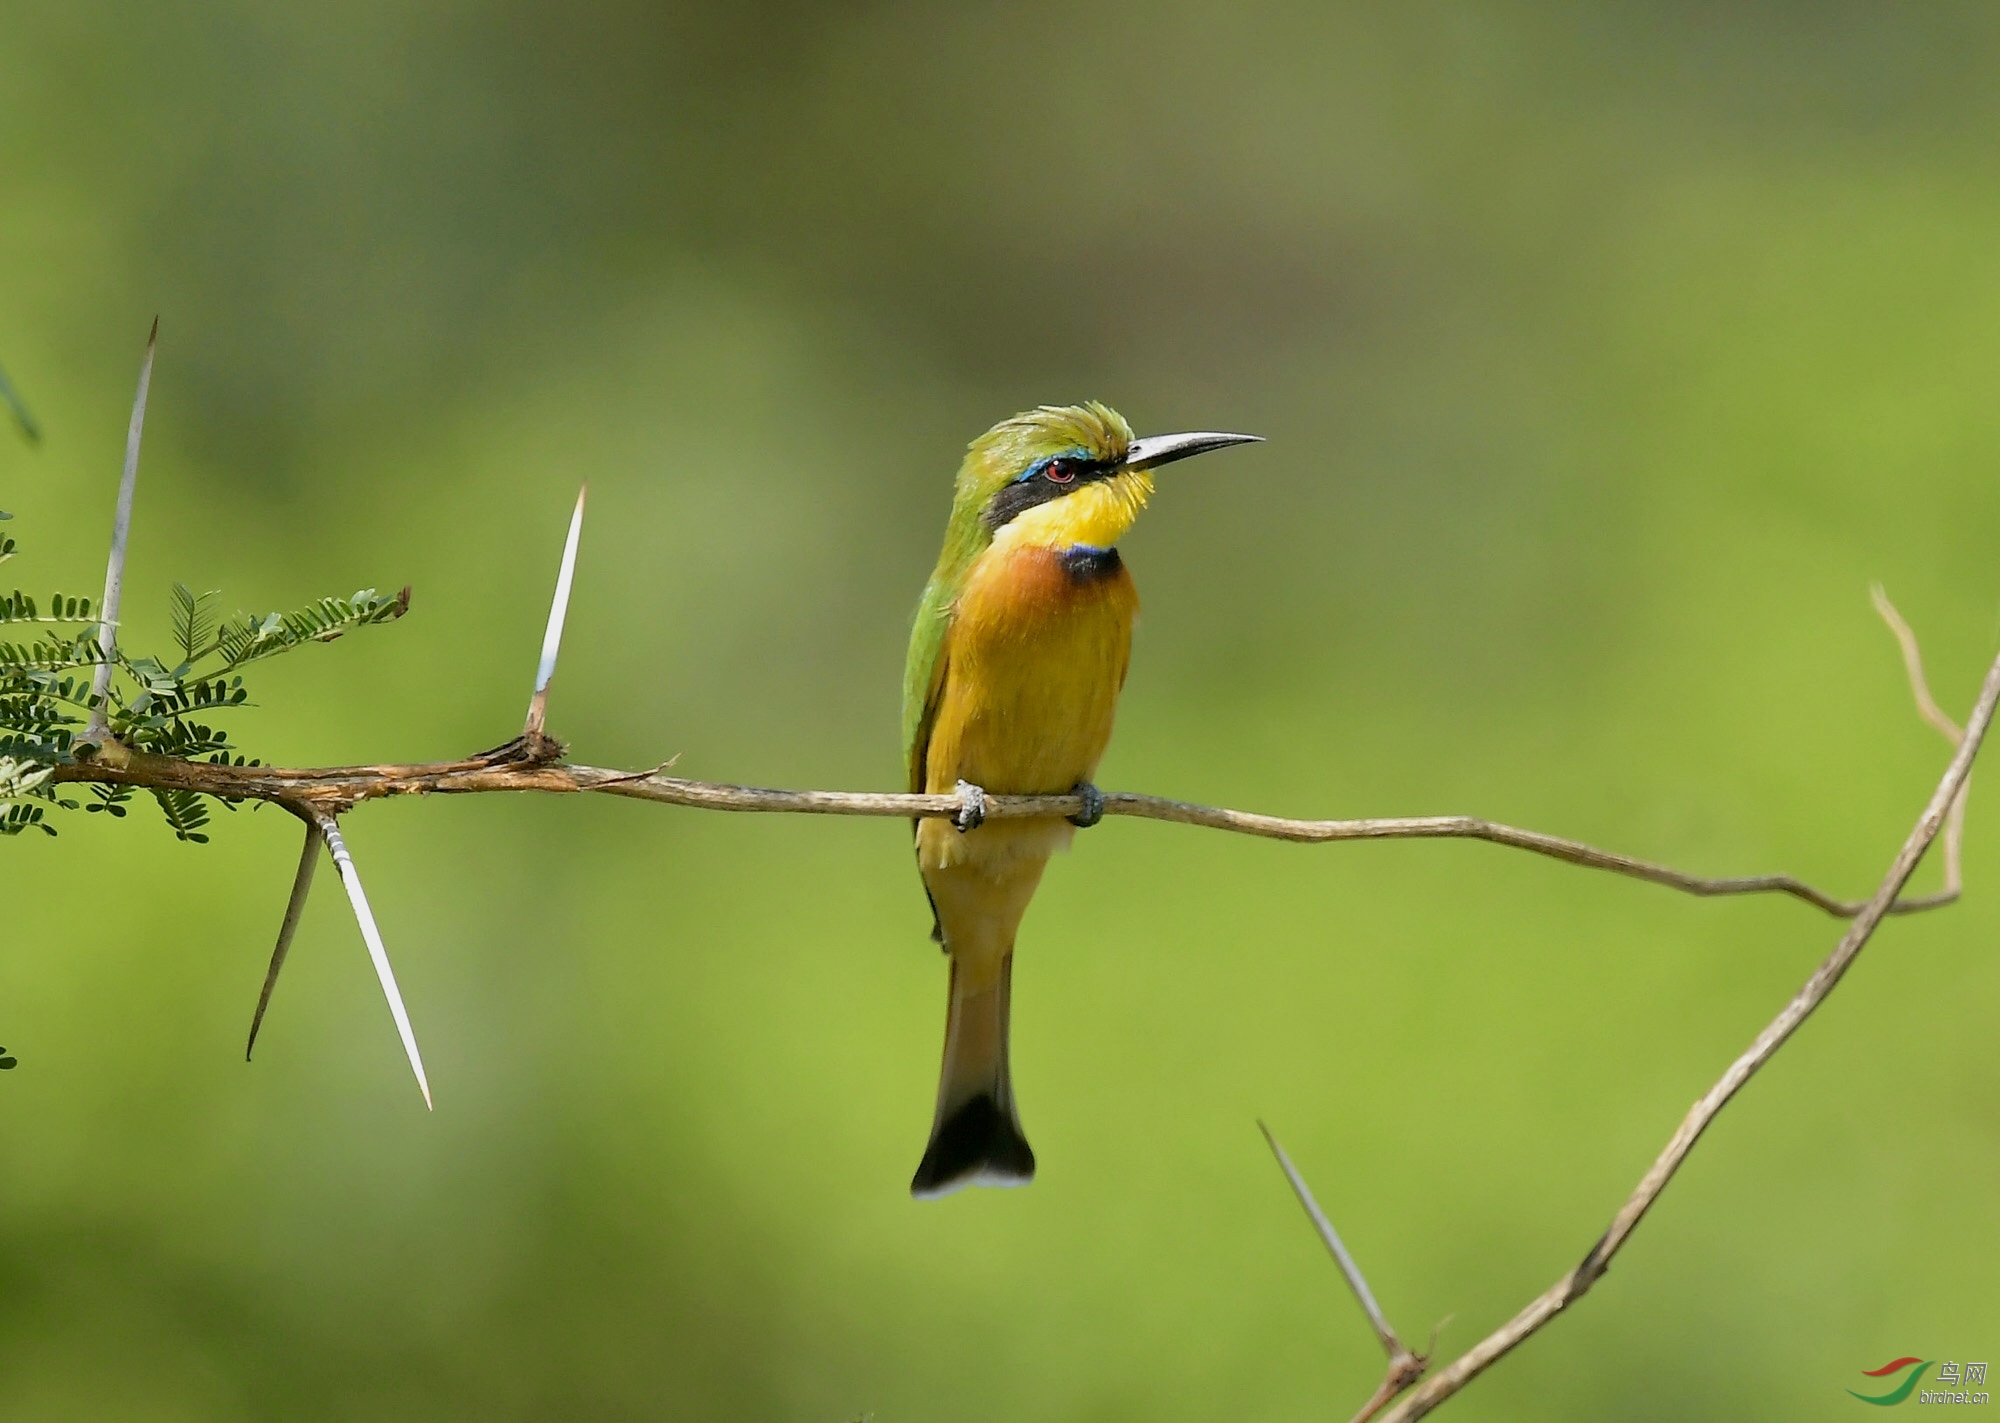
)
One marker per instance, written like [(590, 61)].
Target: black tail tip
[(979, 1144)]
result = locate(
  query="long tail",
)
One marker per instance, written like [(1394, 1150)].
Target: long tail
[(976, 1139)]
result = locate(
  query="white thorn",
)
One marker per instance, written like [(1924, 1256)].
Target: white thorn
[(1335, 1246), (350, 878), (295, 909), (114, 568), (545, 671)]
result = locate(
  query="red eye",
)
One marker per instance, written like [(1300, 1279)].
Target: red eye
[(1060, 471)]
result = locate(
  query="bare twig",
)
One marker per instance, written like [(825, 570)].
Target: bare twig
[(1403, 1372), (1406, 1366), (1913, 663), (520, 767), (295, 909), (545, 670), (350, 878), (1571, 1287), (1928, 709), (98, 729)]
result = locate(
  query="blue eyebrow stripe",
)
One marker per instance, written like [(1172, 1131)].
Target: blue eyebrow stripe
[(1041, 464)]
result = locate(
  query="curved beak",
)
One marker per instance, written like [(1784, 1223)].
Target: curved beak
[(1156, 450)]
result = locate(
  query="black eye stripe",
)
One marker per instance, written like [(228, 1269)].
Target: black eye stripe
[(1043, 481)]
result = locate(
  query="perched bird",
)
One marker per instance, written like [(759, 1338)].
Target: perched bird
[(1016, 661)]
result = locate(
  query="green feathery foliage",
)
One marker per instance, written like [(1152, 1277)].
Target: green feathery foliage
[(49, 653)]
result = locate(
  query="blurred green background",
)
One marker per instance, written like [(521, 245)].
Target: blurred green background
[(1605, 358)]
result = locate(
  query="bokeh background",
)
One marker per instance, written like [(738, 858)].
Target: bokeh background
[(1605, 355)]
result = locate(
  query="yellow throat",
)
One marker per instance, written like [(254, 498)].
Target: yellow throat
[(1095, 516)]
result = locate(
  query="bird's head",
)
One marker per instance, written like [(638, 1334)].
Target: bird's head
[(1066, 475)]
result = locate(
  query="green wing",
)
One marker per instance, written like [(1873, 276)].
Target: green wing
[(923, 675), (923, 687), (966, 537)]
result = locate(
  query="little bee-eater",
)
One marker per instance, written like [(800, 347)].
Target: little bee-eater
[(1016, 661)]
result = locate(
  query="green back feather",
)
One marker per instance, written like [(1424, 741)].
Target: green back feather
[(992, 462)]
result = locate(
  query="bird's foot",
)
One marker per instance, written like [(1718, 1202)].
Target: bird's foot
[(1093, 805), (971, 812)]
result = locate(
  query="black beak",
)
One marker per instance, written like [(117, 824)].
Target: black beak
[(1156, 450)]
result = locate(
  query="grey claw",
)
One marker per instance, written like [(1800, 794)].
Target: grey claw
[(971, 808), (1093, 805)]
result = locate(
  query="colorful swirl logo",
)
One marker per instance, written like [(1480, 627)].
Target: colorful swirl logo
[(1902, 1390)]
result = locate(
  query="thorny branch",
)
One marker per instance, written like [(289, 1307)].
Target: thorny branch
[(318, 796), (532, 763)]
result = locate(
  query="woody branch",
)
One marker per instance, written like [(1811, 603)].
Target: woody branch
[(528, 765), (533, 761)]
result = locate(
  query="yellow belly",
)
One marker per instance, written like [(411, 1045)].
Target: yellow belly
[(1035, 662)]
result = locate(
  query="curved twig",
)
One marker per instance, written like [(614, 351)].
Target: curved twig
[(1930, 711), (1571, 1287)]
